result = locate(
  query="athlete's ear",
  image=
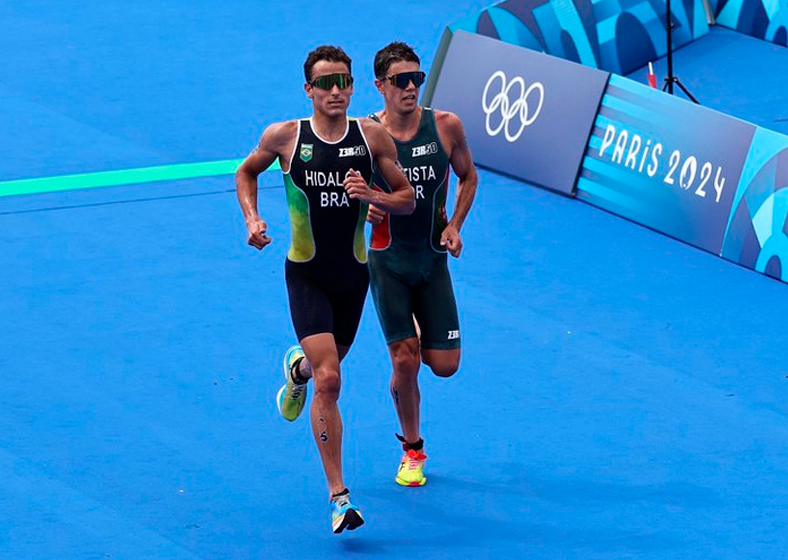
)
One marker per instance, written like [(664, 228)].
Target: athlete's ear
[(308, 89), (379, 85)]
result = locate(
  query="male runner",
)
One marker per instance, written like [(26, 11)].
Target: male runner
[(408, 268), (327, 164)]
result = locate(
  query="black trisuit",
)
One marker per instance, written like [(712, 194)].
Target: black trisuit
[(326, 267)]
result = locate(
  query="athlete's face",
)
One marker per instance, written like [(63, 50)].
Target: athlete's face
[(401, 100), (333, 102)]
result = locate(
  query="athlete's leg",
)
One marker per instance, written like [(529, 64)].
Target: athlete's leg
[(405, 385), (393, 303), (311, 313), (407, 401), (435, 309), (324, 357), (324, 352), (443, 363)]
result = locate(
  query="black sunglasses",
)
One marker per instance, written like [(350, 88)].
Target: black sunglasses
[(401, 80), (328, 81)]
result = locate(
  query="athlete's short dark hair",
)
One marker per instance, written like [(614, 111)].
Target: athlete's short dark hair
[(391, 53), (325, 52)]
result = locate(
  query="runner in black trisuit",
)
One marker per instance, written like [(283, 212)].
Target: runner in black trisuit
[(327, 162)]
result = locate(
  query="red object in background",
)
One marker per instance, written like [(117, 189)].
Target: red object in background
[(652, 78)]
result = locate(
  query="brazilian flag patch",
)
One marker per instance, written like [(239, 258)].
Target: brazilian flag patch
[(305, 153)]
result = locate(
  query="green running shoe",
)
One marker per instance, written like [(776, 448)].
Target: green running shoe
[(344, 515), (411, 469), (291, 397)]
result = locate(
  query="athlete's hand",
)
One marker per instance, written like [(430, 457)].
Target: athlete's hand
[(356, 187), (257, 237), (451, 239), (375, 215)]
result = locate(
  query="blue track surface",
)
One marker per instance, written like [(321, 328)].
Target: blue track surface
[(621, 395), (732, 73)]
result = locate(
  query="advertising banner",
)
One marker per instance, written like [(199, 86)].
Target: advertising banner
[(526, 114), (756, 235), (665, 163)]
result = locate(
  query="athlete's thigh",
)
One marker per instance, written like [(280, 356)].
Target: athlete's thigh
[(435, 309), (393, 300), (310, 305), (348, 303)]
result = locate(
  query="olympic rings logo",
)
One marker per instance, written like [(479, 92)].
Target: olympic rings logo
[(502, 104)]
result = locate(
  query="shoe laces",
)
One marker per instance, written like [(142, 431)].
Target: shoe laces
[(414, 458), (297, 390), (341, 501)]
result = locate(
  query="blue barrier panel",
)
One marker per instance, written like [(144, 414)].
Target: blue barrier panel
[(756, 235), (614, 35), (763, 19), (526, 114), (665, 163)]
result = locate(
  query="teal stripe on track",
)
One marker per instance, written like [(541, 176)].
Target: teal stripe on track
[(171, 172)]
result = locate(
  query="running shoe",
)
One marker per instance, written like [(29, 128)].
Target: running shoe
[(411, 469), (291, 397), (344, 515)]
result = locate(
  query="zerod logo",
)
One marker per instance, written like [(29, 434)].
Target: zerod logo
[(353, 151)]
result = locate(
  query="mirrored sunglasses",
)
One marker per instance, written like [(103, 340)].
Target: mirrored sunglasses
[(328, 81), (401, 80)]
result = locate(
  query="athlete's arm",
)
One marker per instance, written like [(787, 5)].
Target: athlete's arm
[(453, 137), (273, 144), (402, 198)]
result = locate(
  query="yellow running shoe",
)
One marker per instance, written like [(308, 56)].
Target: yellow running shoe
[(291, 397), (411, 469)]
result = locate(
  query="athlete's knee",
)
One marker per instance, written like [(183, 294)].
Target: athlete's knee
[(327, 383), (405, 361), (445, 365), (445, 370)]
